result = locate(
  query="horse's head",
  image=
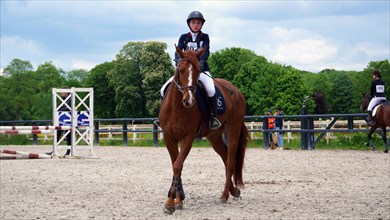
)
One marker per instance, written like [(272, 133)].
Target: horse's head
[(187, 74), (364, 102)]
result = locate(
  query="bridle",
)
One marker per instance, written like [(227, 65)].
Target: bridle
[(181, 88)]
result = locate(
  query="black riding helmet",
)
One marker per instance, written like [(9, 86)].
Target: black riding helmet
[(195, 15)]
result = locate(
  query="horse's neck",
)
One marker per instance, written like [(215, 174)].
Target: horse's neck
[(174, 98)]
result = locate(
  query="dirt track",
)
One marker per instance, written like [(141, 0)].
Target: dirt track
[(132, 183)]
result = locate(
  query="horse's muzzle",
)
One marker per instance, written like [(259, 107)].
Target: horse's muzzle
[(188, 102)]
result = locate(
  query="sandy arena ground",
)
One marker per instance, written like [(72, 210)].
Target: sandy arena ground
[(132, 183)]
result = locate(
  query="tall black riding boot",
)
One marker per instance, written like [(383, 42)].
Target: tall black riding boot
[(370, 118), (214, 122)]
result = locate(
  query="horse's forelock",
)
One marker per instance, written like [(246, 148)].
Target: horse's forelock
[(190, 55)]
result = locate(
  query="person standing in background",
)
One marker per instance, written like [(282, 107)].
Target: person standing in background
[(278, 127), (271, 125)]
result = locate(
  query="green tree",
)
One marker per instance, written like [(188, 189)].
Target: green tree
[(140, 70), (18, 66), (267, 85), (76, 78), (226, 63), (104, 94), (126, 80), (46, 77), (342, 97), (19, 88), (156, 68), (245, 80), (7, 106)]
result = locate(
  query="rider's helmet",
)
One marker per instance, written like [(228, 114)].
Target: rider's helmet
[(195, 15)]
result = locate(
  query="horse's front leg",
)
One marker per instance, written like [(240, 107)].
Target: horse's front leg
[(172, 147), (176, 194)]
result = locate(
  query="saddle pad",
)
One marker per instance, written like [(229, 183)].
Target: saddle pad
[(203, 102), (375, 109)]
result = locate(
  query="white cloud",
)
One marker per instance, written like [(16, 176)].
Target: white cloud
[(309, 35), (304, 51), (16, 47), (82, 64)]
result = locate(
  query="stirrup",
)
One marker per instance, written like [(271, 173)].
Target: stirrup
[(214, 123)]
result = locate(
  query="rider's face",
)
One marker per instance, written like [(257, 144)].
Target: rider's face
[(196, 25)]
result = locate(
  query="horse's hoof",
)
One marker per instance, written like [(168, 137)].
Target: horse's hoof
[(237, 194), (169, 209), (179, 206), (223, 199)]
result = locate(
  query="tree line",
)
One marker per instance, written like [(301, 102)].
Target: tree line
[(129, 85)]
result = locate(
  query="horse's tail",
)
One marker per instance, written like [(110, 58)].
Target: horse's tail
[(242, 141)]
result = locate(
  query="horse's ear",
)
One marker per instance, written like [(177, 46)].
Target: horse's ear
[(200, 52), (179, 51)]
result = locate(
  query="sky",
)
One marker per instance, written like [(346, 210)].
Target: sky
[(308, 35)]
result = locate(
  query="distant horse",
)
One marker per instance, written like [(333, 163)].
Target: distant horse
[(382, 119), (182, 121)]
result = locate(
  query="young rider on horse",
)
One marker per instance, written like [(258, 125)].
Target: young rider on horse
[(196, 40), (377, 93)]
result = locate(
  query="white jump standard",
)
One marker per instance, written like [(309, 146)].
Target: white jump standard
[(81, 128)]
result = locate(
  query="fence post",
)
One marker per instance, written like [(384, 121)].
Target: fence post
[(304, 127), (124, 133), (155, 135), (310, 135), (350, 122), (96, 128), (34, 136), (265, 133)]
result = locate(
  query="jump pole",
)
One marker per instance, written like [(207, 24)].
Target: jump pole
[(5, 128), (10, 154)]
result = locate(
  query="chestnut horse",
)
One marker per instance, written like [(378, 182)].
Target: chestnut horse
[(180, 120), (382, 119)]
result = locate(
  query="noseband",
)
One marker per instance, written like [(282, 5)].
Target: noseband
[(181, 88)]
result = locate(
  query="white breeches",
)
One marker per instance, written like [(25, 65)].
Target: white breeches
[(206, 81), (374, 101)]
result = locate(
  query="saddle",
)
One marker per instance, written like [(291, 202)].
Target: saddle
[(201, 99)]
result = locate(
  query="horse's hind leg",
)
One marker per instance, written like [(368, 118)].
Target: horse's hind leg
[(222, 150), (372, 129), (385, 141)]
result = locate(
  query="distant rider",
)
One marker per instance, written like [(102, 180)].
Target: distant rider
[(377, 93)]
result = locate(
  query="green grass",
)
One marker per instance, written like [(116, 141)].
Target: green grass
[(344, 141)]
